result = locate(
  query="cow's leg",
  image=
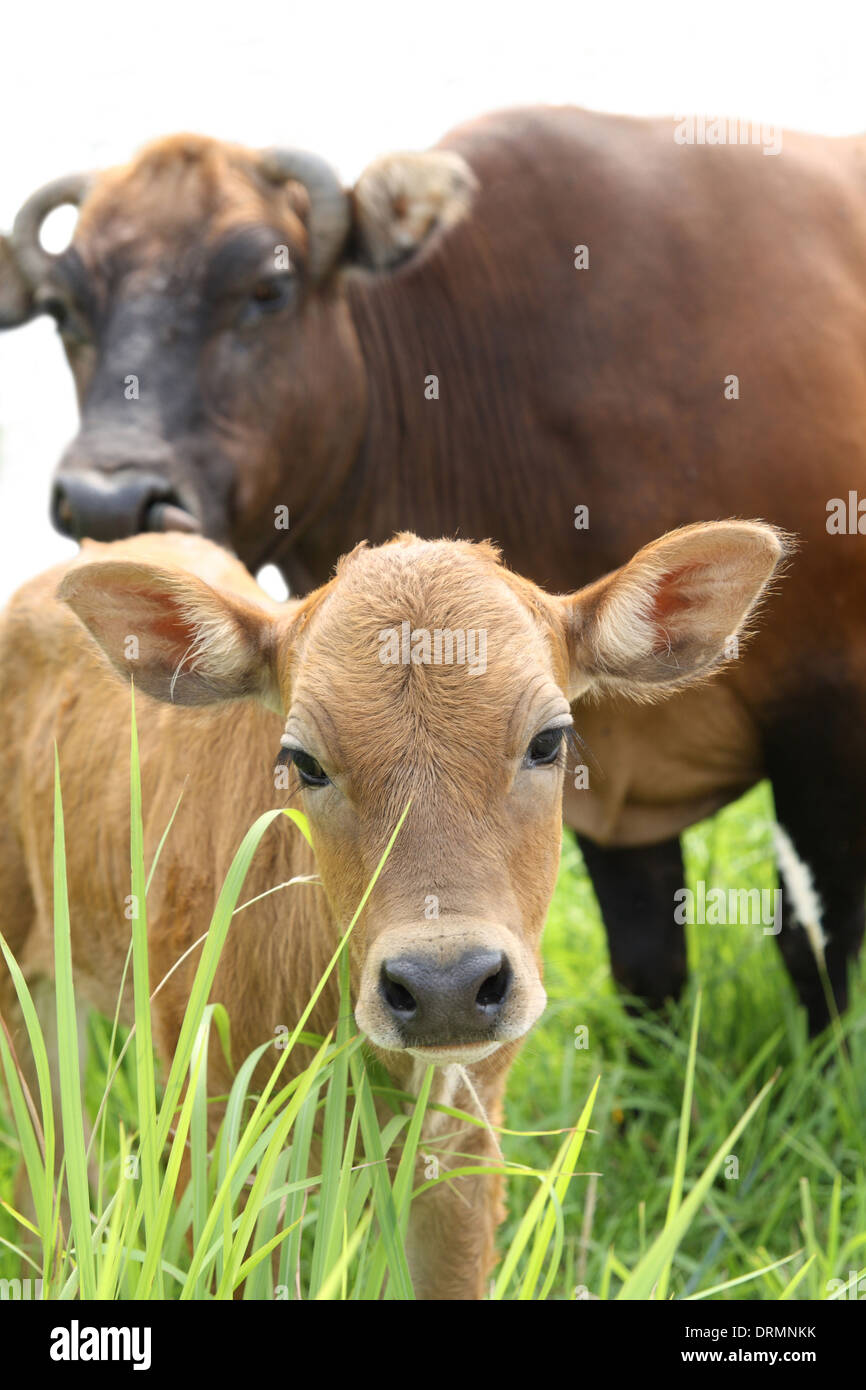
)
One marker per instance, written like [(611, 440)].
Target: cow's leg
[(635, 888), (818, 771)]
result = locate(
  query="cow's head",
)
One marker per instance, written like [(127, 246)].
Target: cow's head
[(379, 716), (199, 307)]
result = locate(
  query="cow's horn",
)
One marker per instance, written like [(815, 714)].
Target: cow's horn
[(32, 258), (329, 203)]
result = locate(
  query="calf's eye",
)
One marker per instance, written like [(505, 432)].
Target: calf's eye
[(309, 770), (544, 748)]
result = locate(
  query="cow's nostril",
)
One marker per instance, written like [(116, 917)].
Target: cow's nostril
[(109, 506), (61, 510), (494, 989)]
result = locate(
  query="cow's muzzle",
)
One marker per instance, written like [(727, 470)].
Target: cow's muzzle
[(110, 506)]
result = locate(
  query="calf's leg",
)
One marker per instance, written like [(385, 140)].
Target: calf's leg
[(452, 1227)]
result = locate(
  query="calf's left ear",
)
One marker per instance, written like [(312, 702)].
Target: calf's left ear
[(180, 640), (668, 616), (400, 200)]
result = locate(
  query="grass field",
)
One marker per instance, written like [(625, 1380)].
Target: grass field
[(792, 1190), (801, 1189)]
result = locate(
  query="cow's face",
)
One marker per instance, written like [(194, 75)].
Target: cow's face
[(465, 734), (219, 378)]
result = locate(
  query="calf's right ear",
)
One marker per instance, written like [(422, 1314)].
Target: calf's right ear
[(180, 640), (668, 617), (16, 295)]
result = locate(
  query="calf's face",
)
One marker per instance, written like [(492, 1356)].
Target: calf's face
[(427, 679)]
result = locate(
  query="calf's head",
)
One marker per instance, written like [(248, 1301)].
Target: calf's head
[(217, 368), (425, 675)]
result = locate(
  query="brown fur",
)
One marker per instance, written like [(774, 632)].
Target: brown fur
[(544, 400), (482, 833)]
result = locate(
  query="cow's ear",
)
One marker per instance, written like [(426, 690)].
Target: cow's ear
[(180, 640), (402, 200), (16, 295), (675, 611)]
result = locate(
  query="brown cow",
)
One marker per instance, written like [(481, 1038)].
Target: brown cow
[(426, 351), (370, 727)]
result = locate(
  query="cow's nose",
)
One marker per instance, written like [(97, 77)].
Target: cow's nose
[(438, 1006), (109, 506)]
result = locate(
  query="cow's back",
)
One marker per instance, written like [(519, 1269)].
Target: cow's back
[(606, 386)]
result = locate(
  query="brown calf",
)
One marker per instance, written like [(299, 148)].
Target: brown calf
[(364, 686)]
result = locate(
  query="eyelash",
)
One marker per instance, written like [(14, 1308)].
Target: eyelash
[(307, 776)]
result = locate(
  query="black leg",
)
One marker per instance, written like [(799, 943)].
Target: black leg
[(635, 890), (816, 758)]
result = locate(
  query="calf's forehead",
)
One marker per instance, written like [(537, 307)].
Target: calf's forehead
[(486, 656)]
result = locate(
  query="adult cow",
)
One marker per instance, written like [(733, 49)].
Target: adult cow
[(427, 351)]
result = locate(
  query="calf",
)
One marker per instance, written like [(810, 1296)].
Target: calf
[(375, 714)]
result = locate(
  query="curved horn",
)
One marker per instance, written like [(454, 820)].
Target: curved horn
[(330, 214), (33, 260)]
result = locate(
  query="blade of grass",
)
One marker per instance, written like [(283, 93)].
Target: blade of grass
[(642, 1279), (67, 1045), (679, 1173)]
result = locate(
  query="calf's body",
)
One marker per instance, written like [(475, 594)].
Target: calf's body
[(445, 958)]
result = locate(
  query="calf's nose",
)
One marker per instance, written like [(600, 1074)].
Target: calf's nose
[(437, 1006), (109, 506)]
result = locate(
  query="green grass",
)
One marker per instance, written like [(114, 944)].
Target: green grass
[(801, 1190), (718, 1155)]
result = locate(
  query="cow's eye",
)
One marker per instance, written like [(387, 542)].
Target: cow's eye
[(544, 748), (309, 770), (268, 295)]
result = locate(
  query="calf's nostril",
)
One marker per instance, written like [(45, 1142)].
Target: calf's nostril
[(491, 995), (397, 996)]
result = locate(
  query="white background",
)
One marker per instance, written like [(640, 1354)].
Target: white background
[(83, 84)]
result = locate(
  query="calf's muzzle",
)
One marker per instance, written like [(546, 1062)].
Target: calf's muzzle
[(452, 1005)]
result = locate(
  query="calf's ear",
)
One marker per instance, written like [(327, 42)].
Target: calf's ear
[(401, 200), (670, 615), (16, 295), (180, 640)]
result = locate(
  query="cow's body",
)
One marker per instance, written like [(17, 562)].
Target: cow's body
[(558, 387), (472, 756)]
